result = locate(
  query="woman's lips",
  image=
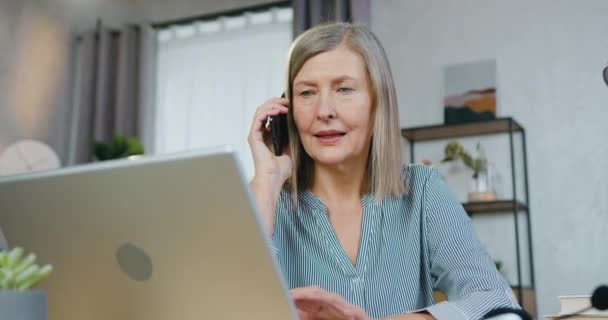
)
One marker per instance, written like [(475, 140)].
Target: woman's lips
[(329, 137)]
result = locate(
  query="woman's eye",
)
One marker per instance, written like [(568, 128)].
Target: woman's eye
[(306, 93), (345, 90)]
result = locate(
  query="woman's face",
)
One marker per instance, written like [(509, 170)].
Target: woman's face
[(332, 107)]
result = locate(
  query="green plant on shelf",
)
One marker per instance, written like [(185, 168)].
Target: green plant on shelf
[(21, 273), (498, 264), (120, 147), (455, 151)]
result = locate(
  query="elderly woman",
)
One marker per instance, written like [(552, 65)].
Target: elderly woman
[(357, 234)]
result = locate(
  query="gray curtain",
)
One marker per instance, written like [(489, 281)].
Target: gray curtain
[(309, 13), (106, 88)]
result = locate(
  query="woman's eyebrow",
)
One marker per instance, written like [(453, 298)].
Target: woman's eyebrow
[(333, 81), (305, 83), (342, 78)]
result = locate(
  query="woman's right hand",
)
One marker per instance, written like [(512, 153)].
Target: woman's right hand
[(269, 167), (271, 171)]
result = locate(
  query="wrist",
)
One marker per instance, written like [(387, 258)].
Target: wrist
[(266, 195), (267, 183)]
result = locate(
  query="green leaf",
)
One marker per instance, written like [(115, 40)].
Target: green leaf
[(101, 150), (466, 158), (14, 257), (3, 277), (9, 279), (25, 263), (498, 265), (3, 259), (134, 147), (18, 273), (42, 274), (27, 274), (30, 283), (447, 159), (46, 270), (119, 146)]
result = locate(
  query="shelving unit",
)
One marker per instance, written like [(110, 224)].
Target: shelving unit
[(525, 294), (494, 206)]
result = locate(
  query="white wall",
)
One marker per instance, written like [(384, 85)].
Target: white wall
[(549, 55), (8, 12), (15, 123)]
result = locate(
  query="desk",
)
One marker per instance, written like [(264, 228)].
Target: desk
[(528, 294)]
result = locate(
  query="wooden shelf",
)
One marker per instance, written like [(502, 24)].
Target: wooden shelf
[(436, 132), (529, 303), (493, 206)]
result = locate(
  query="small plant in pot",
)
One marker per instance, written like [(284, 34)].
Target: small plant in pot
[(481, 185), (18, 276), (119, 147)]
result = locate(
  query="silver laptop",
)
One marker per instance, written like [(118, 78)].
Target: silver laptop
[(168, 237)]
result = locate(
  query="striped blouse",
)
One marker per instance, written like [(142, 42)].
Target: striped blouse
[(409, 245)]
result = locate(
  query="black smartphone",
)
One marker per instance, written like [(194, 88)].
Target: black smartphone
[(278, 132)]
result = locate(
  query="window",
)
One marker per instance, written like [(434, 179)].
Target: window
[(212, 76)]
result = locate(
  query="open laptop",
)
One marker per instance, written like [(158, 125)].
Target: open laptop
[(167, 237)]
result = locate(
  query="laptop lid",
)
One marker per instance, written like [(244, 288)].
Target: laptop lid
[(167, 237)]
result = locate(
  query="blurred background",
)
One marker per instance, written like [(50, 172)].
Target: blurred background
[(88, 80)]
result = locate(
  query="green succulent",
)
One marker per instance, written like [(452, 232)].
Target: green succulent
[(20, 274), (120, 147)]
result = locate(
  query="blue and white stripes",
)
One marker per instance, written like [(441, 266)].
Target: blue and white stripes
[(409, 245)]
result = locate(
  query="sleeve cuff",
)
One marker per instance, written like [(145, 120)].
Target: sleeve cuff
[(445, 311)]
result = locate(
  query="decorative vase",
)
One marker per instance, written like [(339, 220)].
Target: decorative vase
[(23, 305), (481, 184)]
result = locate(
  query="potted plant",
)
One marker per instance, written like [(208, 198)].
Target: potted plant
[(18, 275), (481, 184), (120, 147)]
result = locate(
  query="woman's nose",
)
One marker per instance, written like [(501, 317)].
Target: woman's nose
[(326, 106)]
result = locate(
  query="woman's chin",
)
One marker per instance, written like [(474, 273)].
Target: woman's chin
[(330, 158)]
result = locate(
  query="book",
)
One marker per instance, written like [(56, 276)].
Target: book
[(575, 303)]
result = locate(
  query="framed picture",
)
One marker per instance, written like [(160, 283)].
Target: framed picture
[(470, 92)]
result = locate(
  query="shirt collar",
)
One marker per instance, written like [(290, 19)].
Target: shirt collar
[(313, 202)]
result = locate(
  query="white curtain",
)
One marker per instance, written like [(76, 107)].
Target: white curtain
[(211, 77)]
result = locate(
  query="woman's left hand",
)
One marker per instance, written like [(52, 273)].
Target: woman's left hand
[(314, 303)]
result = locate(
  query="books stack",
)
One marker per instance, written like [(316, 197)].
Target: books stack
[(574, 304)]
